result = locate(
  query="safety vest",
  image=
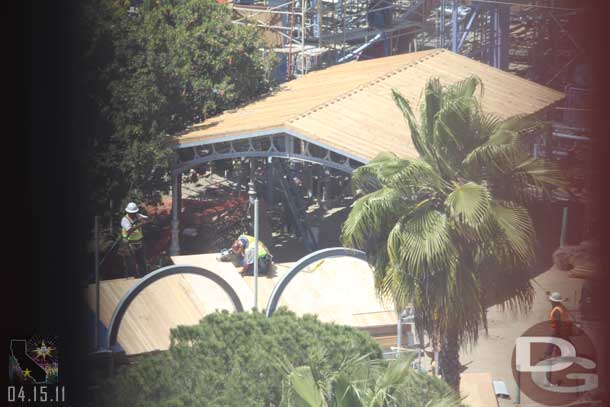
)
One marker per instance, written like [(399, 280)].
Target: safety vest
[(564, 317), (136, 235), (262, 249)]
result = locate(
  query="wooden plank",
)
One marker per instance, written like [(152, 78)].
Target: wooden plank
[(167, 303), (477, 390), (225, 270), (339, 290), (386, 342)]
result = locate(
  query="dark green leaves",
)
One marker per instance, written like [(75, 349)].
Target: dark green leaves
[(421, 243), (360, 382), (235, 360), (152, 74)]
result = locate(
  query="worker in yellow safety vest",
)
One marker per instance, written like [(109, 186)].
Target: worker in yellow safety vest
[(131, 230), (244, 250)]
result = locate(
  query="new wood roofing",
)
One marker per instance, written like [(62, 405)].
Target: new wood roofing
[(321, 289), (349, 108)]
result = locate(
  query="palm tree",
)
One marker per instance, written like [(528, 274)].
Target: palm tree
[(361, 382), (450, 232)]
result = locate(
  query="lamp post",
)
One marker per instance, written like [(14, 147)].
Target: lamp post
[(254, 201), (403, 317)]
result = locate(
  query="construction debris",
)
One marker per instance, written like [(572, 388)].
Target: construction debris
[(582, 255)]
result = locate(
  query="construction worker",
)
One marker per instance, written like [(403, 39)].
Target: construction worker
[(561, 327), (560, 319), (131, 230), (243, 250)]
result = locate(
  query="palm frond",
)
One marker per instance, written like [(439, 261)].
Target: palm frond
[(415, 176), (370, 216), (416, 135), (487, 124), (304, 386), (400, 286), (465, 88), (506, 138), (367, 178), (431, 105), (452, 133), (420, 242), (346, 395), (519, 177), (469, 204), (538, 172), (517, 228)]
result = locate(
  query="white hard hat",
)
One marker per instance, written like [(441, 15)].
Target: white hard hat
[(131, 208), (556, 297)]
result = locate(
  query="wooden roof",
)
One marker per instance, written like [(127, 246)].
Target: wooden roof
[(321, 289), (349, 108), (167, 303)]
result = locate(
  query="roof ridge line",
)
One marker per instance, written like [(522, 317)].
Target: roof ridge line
[(360, 88)]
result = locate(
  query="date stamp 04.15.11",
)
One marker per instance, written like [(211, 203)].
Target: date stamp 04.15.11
[(34, 373)]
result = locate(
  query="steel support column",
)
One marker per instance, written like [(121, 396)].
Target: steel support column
[(442, 24), (454, 26), (270, 187), (468, 27), (501, 31)]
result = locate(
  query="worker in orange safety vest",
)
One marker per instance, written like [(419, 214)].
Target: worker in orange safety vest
[(560, 319)]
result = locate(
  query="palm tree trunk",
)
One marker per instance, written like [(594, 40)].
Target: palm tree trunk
[(449, 360)]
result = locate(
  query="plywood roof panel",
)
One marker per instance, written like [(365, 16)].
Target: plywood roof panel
[(321, 289), (349, 107), (296, 97)]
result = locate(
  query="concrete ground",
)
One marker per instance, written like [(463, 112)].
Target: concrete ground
[(493, 352)]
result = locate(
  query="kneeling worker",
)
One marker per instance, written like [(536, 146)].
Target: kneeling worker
[(244, 251)]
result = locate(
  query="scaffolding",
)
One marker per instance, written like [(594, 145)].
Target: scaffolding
[(312, 34), (536, 39)]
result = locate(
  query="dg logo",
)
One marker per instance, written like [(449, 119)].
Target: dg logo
[(555, 370)]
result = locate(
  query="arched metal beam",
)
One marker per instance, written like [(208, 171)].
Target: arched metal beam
[(304, 263), (132, 293)]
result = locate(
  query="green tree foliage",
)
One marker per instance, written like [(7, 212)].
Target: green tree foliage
[(361, 382), (149, 75), (234, 360), (450, 232)]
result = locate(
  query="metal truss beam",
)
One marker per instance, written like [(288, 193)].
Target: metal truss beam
[(275, 145)]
